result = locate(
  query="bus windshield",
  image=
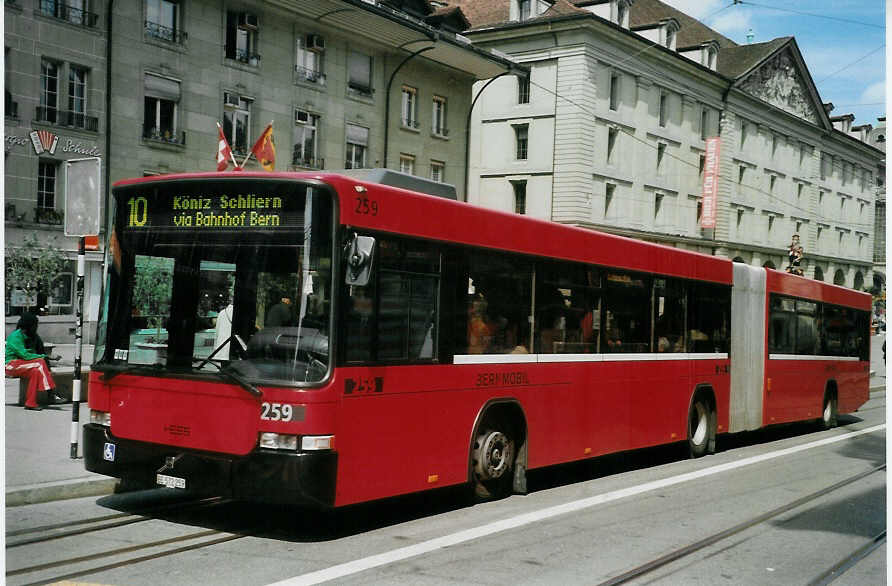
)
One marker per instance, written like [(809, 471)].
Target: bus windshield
[(228, 276)]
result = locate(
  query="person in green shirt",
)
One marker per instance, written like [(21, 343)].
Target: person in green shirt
[(21, 362)]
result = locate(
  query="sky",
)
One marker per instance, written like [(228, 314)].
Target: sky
[(842, 42)]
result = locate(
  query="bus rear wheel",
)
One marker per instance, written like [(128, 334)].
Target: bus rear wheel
[(830, 412), (493, 460), (700, 428)]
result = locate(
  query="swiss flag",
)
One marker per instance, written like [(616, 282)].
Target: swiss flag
[(224, 153)]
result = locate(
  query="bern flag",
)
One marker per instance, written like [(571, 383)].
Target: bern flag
[(265, 150)]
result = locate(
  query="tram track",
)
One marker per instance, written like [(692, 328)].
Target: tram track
[(74, 567), (67, 563), (830, 575), (43, 533)]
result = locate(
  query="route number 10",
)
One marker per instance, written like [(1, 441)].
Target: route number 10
[(139, 208)]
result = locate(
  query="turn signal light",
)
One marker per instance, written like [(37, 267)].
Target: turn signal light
[(100, 417), (317, 442)]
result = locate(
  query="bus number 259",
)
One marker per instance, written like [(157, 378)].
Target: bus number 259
[(276, 412)]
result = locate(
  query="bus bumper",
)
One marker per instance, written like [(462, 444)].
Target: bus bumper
[(264, 475)]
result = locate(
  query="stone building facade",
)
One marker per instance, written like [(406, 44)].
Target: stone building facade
[(611, 134), (345, 83)]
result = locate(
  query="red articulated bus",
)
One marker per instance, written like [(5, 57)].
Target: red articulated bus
[(318, 338)]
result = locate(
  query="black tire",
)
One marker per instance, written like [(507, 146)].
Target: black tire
[(701, 427), (492, 461), (829, 412)]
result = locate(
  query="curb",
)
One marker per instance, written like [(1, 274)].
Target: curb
[(54, 491)]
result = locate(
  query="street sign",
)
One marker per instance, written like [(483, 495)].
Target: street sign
[(82, 196)]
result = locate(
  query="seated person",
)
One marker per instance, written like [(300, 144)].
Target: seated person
[(21, 362)]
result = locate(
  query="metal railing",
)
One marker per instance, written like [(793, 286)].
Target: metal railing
[(307, 162), (308, 75), (165, 33), (66, 118), (246, 57), (48, 216), (68, 13), (165, 135)]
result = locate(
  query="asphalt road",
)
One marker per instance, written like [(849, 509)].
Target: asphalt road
[(580, 524)]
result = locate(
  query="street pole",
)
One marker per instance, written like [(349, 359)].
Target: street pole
[(79, 347)]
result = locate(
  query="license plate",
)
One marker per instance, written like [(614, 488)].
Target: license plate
[(170, 481)]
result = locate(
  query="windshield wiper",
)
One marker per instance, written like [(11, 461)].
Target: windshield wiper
[(110, 371), (242, 382)]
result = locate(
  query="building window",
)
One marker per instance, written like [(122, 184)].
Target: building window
[(621, 13), (73, 11), (46, 185), (410, 107), (359, 72), (670, 38), (614, 91), (523, 90), (520, 196), (407, 164), (612, 134), (799, 188), (163, 21), (160, 116), (825, 164), (438, 171), (661, 152), (357, 145), (658, 205), (77, 95), (744, 127), (702, 164), (610, 189), (741, 173), (772, 180), (704, 121), (49, 92), (521, 140), (523, 9), (306, 136), (242, 29), (438, 117), (237, 121), (309, 50), (803, 151), (740, 213), (664, 108), (770, 225), (711, 54)]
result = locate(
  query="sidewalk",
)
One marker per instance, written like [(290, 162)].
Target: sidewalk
[(39, 467)]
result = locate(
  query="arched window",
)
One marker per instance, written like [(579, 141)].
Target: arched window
[(859, 281), (739, 259), (839, 277), (768, 265), (819, 274)]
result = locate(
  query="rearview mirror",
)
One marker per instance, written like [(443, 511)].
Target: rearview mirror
[(360, 252)]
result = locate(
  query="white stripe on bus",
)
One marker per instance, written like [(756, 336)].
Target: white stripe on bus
[(812, 357), (542, 358), (432, 545)]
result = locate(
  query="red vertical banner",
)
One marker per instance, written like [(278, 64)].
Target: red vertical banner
[(710, 183)]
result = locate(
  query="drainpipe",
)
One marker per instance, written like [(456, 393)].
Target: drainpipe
[(468, 132), (387, 97)]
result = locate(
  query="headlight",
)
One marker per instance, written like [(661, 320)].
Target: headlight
[(278, 441), (100, 417)]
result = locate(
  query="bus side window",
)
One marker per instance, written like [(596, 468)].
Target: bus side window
[(568, 317), (709, 317), (498, 304), (396, 317), (669, 315), (627, 316)]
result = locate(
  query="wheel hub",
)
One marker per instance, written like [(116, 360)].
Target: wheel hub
[(495, 452)]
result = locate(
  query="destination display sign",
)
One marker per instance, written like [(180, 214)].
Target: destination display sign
[(214, 208)]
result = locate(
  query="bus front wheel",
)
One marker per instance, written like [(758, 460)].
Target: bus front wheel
[(493, 460)]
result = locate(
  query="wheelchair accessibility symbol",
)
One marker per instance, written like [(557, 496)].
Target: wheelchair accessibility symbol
[(108, 453)]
